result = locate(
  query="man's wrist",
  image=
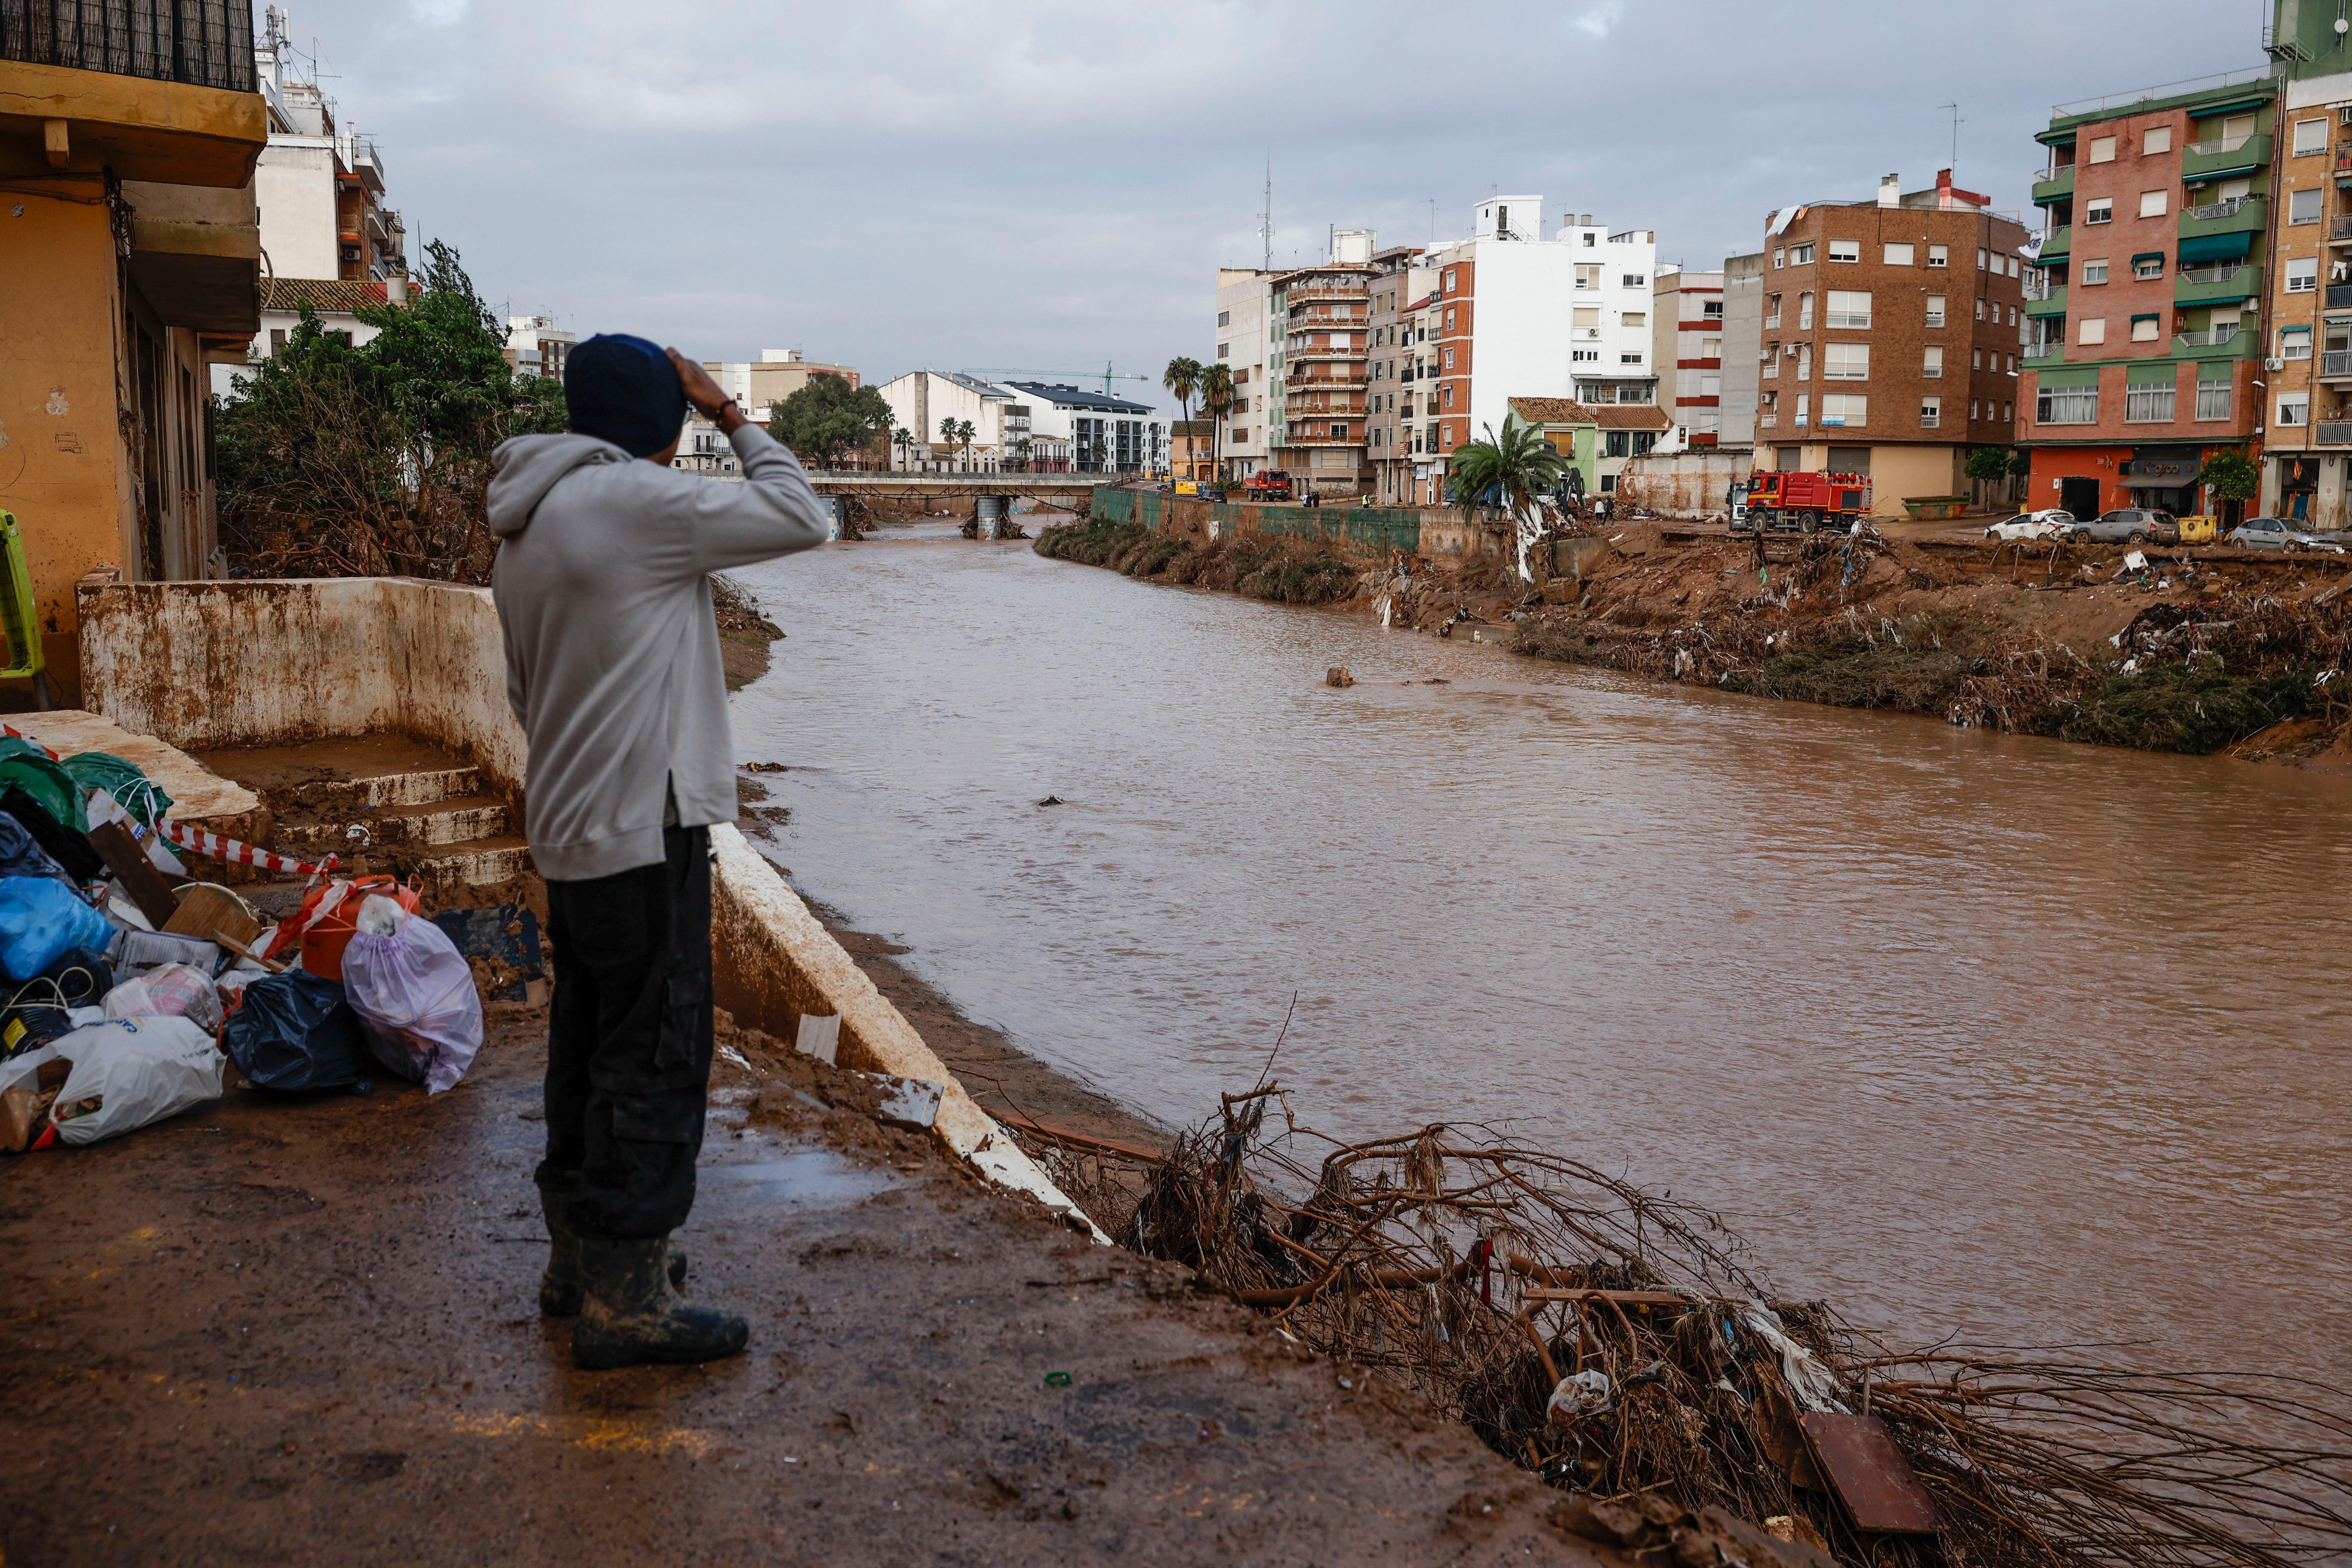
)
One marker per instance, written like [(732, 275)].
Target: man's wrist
[(729, 417)]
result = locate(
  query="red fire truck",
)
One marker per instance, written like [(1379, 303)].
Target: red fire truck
[(1267, 484), (1803, 501)]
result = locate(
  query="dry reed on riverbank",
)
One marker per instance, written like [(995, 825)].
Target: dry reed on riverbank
[(1481, 1272)]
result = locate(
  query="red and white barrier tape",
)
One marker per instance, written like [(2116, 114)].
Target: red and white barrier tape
[(213, 846), (11, 731)]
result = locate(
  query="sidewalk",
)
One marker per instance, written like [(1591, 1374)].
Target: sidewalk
[(307, 1332)]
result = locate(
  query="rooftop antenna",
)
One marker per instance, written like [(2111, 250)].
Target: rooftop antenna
[(1266, 218), (1956, 131)]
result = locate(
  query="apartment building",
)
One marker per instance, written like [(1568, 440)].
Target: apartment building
[(1249, 345), (536, 345), (1686, 342), (1598, 442), (320, 185), (758, 386), (131, 264), (1743, 348), (921, 400), (1325, 316), (1890, 337), (1401, 290), (2145, 352), (1101, 433), (1517, 313)]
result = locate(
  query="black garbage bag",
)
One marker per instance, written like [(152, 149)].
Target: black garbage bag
[(64, 844), (22, 856), (294, 1032)]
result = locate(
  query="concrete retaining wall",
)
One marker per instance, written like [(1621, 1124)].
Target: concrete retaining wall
[(1365, 533), (1686, 485), (277, 663)]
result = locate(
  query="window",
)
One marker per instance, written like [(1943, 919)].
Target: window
[(2295, 408), (1933, 367), (1635, 319), (2143, 329), (1805, 312), (1771, 360), (2151, 204), (1449, 318), (1981, 258), (1845, 362), (1449, 280), (1710, 386), (1980, 310), (1224, 350), (1711, 310), (1629, 359), (2310, 136), (2092, 330), (1779, 255), (1940, 256), (1849, 307), (1449, 359), (1845, 250), (2302, 206), (2147, 266), (1586, 316), (2157, 139), (2068, 405), (1935, 310), (2102, 210), (1620, 443), (2013, 265), (1931, 413), (2095, 271), (1225, 318), (1588, 276), (1339, 430), (1976, 358), (2103, 150), (1846, 408), (277, 337), (1804, 362), (1973, 409), (1633, 279), (2212, 395), (1802, 401), (1772, 312), (1770, 408), (1898, 255), (1448, 390), (2302, 275), (2008, 413), (2294, 342), (2148, 404), (1801, 255)]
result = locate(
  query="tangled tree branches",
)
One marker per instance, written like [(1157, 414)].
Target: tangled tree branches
[(338, 460), (1498, 1280)]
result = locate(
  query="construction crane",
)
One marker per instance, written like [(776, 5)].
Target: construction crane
[(1108, 374)]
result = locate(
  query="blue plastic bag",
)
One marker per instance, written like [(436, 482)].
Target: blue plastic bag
[(40, 919)]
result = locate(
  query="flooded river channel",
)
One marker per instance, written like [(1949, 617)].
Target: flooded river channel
[(2009, 1038)]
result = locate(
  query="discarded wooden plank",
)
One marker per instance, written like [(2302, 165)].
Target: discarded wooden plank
[(1013, 1118), (148, 890), (242, 950), (1868, 1472), (208, 912), (1665, 1299)]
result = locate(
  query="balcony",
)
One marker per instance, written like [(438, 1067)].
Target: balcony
[(2216, 285), (1354, 383), (2222, 343), (1356, 440), (2339, 231), (2051, 303), (2332, 433), (2225, 155), (1333, 291), (2336, 365), (1298, 352), (2239, 214), (2339, 296), (162, 94), (1323, 316), (2058, 244), (197, 43), (2053, 184)]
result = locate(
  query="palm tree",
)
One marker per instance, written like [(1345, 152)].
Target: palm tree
[(963, 435), (902, 438), (1022, 448), (947, 430), (1182, 380), (1216, 402), (1513, 469)]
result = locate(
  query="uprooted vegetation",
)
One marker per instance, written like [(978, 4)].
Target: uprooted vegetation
[(1623, 1347), (1284, 571)]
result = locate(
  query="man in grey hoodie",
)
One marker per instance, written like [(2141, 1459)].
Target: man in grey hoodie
[(612, 669)]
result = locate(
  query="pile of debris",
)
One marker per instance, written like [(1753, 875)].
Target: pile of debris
[(133, 986), (1614, 1343)]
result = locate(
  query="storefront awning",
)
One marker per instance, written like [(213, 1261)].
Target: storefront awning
[(2215, 246)]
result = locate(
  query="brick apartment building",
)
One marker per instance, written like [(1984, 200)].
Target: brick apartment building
[(1402, 287), (1323, 314), (1890, 337), (2146, 354)]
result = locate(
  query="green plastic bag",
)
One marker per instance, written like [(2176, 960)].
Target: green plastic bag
[(48, 783), (139, 795)]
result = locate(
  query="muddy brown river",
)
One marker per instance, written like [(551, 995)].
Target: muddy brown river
[(2025, 1042)]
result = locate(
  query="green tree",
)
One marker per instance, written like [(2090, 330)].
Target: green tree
[(1511, 470), (1182, 380), (338, 460), (827, 419), (1021, 449), (902, 438), (962, 436), (1217, 399), (2235, 478), (1986, 464)]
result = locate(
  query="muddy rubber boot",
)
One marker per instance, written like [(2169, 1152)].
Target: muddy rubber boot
[(559, 1287), (631, 1313)]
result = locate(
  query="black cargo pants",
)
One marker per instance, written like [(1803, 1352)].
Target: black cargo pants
[(629, 1041)]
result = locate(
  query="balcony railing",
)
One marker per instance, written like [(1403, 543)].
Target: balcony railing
[(2332, 433), (201, 43), (2335, 364), (2340, 229), (2229, 208), (2206, 149), (2339, 296), (2220, 272), (1326, 291)]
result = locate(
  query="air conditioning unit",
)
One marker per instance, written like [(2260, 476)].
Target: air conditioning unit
[(2274, 365), (1793, 351)]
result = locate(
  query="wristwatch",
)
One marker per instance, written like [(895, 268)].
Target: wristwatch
[(718, 415)]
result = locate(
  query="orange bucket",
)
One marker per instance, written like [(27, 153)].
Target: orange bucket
[(323, 942)]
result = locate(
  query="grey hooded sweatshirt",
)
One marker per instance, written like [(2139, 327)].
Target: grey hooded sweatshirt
[(611, 651)]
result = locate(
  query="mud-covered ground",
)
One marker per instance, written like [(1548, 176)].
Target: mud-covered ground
[(305, 1330)]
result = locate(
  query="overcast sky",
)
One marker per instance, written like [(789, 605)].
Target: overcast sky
[(1047, 186)]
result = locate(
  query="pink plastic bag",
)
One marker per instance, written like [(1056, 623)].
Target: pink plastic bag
[(414, 992)]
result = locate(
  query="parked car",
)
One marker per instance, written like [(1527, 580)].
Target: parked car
[(2282, 533), (2129, 525), (2049, 524)]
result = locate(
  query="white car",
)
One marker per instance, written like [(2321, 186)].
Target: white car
[(2051, 524)]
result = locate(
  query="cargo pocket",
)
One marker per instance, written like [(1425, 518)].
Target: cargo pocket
[(681, 1020), (657, 1119)]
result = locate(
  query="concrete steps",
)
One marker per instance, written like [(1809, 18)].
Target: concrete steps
[(436, 823)]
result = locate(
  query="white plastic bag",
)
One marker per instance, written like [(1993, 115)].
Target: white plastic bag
[(130, 1072), (414, 992), (176, 990), (1579, 1394)]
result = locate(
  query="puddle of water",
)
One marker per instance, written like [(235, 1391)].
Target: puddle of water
[(782, 1174)]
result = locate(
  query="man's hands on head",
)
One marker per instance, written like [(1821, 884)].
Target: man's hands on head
[(705, 395)]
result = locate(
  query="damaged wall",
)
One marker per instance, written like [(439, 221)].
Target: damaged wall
[(1686, 485), (1370, 532)]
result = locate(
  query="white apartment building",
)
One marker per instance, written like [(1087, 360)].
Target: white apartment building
[(922, 399), (1517, 313), (1249, 345), (537, 346), (1098, 433), (318, 186)]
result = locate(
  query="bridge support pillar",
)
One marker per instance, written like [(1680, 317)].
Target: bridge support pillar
[(993, 512)]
